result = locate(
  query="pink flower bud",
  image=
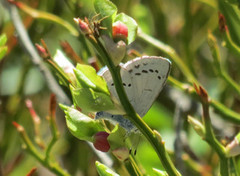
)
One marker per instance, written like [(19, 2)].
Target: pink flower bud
[(84, 27), (41, 51), (119, 31), (101, 142)]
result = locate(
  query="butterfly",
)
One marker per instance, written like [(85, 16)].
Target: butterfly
[(143, 79)]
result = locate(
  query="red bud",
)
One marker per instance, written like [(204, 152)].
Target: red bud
[(119, 31), (222, 23), (101, 142)]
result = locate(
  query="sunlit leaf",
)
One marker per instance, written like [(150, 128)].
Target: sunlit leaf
[(88, 78), (159, 172), (91, 101), (104, 170), (107, 10), (80, 125)]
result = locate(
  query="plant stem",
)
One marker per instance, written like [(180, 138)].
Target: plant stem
[(54, 167), (230, 81), (212, 42), (35, 58), (226, 113), (157, 144), (230, 44), (132, 167), (209, 134)]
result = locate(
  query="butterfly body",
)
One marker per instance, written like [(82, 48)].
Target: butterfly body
[(143, 79)]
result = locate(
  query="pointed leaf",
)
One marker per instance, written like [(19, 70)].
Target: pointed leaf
[(106, 9), (115, 138), (80, 125), (104, 170), (159, 172), (91, 101), (88, 78)]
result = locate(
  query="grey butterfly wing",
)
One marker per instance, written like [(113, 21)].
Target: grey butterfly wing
[(148, 75), (127, 84)]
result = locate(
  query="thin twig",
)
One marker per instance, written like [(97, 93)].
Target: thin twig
[(51, 82), (35, 58)]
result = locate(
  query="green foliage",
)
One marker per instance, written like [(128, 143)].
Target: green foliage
[(3, 48), (88, 78), (107, 10), (104, 170), (159, 172), (80, 125), (184, 31), (115, 138), (91, 93), (91, 101)]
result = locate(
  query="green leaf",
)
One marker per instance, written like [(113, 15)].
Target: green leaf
[(104, 170), (159, 172), (3, 39), (88, 78), (106, 9), (116, 138), (130, 23), (3, 51), (80, 125), (91, 101)]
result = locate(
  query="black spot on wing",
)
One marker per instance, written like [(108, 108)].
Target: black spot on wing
[(137, 66)]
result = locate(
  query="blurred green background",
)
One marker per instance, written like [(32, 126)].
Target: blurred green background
[(182, 24)]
